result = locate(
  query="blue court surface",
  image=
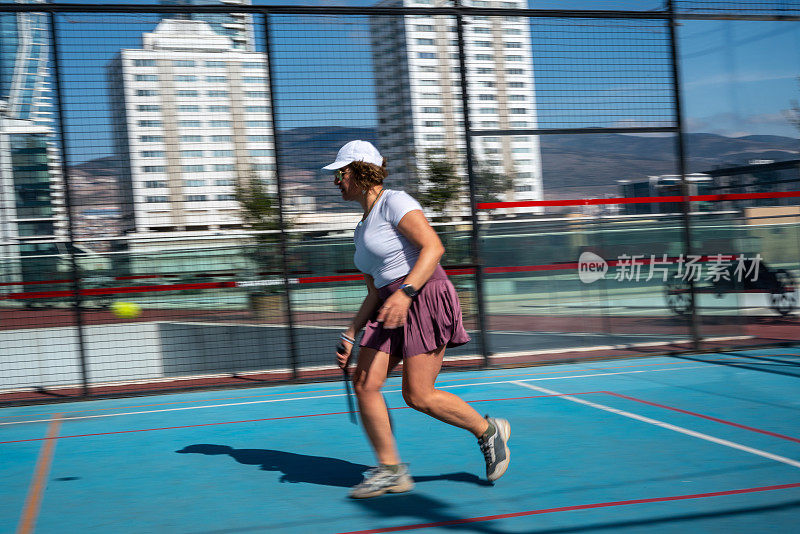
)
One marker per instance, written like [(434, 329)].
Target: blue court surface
[(694, 443)]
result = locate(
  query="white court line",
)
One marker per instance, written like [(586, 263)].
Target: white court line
[(264, 401), (662, 424)]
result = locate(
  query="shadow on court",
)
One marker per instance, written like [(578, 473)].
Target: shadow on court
[(321, 470)]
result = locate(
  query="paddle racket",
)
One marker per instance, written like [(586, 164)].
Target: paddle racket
[(351, 405)]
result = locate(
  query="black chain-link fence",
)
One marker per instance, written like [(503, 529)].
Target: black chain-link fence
[(166, 222)]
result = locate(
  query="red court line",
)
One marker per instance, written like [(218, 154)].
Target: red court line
[(33, 501), (710, 418), (573, 508), (635, 200), (257, 420)]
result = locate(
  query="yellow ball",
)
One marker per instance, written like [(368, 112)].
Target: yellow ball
[(126, 310)]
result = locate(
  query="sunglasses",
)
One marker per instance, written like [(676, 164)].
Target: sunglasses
[(339, 174)]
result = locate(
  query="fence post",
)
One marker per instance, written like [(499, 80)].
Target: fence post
[(477, 258), (681, 155), (74, 275), (293, 348)]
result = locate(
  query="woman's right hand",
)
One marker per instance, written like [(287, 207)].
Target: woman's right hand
[(343, 352)]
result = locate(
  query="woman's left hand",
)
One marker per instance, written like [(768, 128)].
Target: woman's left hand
[(394, 311)]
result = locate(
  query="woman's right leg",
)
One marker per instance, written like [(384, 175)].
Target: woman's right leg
[(371, 371)]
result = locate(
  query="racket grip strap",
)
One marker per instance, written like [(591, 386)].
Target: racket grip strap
[(347, 338)]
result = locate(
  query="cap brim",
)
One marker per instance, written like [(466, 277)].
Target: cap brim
[(337, 165)]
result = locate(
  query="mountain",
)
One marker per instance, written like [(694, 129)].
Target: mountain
[(583, 165)]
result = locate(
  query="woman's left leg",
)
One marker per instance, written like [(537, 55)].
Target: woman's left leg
[(419, 391)]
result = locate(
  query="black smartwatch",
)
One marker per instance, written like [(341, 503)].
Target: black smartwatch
[(409, 290)]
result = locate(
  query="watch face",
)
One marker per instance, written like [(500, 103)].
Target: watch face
[(409, 290)]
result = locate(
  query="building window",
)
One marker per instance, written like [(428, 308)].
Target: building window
[(148, 107), (516, 85), (221, 138), (256, 94), (194, 183), (190, 124), (183, 63), (195, 198), (144, 62), (259, 138), (261, 152), (191, 139), (156, 199), (189, 109), (257, 124), (513, 44), (254, 79), (216, 64), (146, 92), (256, 109), (484, 57), (426, 42), (146, 78), (252, 65), (191, 168), (216, 79), (185, 93), (185, 78), (516, 98), (223, 167), (514, 58), (518, 111), (484, 44), (151, 138), (224, 183), (485, 70), (152, 153), (154, 168), (191, 153), (427, 55), (219, 124), (431, 110), (219, 109), (226, 197), (222, 153), (487, 97), (150, 124), (155, 184), (433, 124), (218, 94), (515, 71)]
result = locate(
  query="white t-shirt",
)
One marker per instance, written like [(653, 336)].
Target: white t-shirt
[(382, 251)]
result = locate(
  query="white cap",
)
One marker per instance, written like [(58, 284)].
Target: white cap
[(356, 151)]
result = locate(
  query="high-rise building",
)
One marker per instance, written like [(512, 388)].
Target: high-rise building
[(192, 119), (419, 98), (237, 26), (32, 216)]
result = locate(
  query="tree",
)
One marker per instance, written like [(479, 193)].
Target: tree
[(489, 184), (259, 211), (440, 185)]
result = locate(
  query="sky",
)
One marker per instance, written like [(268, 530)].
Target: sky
[(738, 77)]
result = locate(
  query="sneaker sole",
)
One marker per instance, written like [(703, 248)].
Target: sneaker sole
[(399, 488), (505, 432)]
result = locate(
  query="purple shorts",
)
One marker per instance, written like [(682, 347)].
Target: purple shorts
[(434, 320)]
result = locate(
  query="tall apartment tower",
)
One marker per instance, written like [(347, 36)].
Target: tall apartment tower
[(419, 92), (237, 26), (192, 117), (32, 215)]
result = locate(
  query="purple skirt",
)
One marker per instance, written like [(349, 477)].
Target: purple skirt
[(434, 320)]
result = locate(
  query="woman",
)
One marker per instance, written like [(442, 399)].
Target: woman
[(411, 313)]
